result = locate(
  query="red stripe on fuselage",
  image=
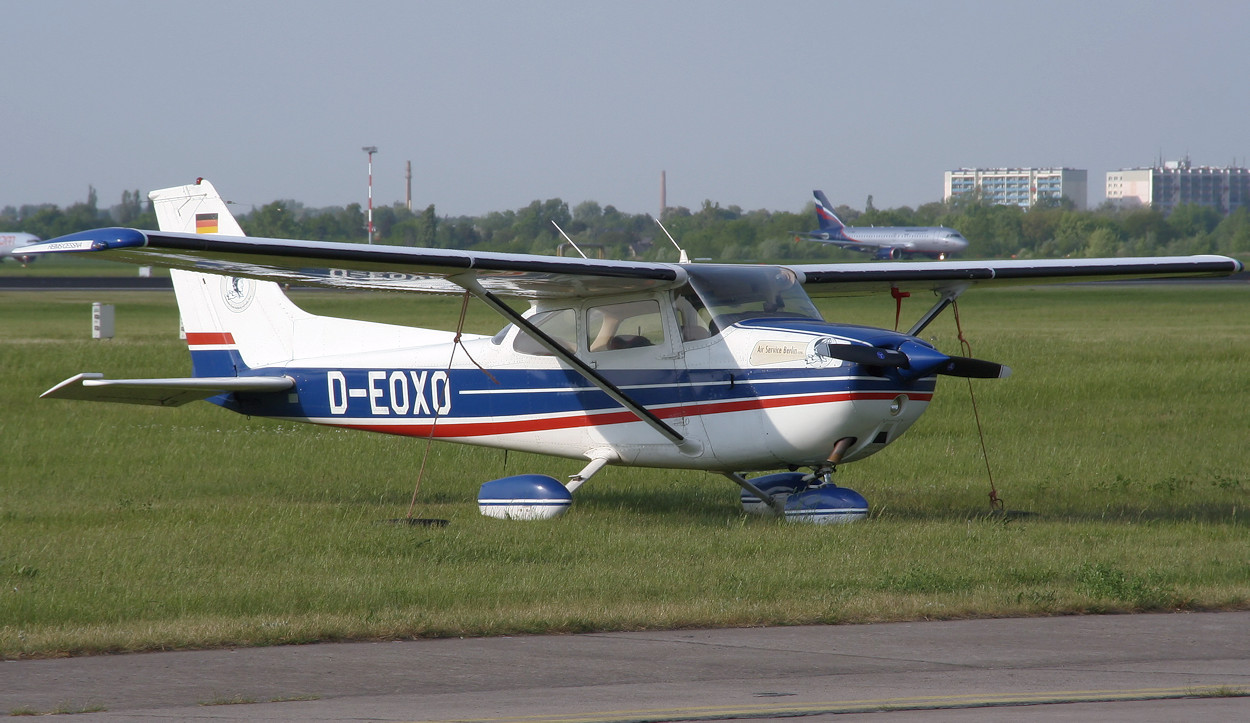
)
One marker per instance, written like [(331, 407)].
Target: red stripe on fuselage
[(487, 429)]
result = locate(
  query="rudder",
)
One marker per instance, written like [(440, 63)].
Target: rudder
[(825, 216), (231, 323)]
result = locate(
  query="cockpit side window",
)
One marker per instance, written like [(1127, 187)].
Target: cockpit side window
[(559, 324), (624, 326), (693, 318)]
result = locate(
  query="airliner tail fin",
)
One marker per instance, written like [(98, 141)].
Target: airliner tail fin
[(825, 216)]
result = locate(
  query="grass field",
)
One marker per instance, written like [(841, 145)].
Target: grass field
[(1118, 446)]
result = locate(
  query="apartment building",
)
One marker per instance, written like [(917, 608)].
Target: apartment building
[(1173, 183)]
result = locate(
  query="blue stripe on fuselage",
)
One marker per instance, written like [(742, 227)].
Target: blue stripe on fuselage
[(469, 393)]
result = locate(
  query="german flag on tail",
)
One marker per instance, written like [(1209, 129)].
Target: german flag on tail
[(206, 223)]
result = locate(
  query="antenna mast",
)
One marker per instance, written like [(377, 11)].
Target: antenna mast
[(682, 258)]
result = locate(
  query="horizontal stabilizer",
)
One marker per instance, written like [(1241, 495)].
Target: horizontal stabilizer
[(93, 387)]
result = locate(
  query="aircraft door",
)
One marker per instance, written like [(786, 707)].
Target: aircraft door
[(637, 345)]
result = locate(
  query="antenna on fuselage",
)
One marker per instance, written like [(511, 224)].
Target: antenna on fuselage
[(682, 258), (566, 238)]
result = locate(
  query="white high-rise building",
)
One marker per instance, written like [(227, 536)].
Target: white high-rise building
[(1020, 186), (1173, 183)]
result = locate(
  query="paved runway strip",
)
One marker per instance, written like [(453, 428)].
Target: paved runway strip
[(1195, 664)]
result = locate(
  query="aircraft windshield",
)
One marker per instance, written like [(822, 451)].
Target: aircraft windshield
[(734, 293)]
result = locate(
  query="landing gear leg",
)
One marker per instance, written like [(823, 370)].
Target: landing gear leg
[(820, 477), (778, 506), (587, 472), (823, 474)]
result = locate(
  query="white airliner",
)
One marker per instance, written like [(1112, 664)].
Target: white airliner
[(887, 242), (10, 240)]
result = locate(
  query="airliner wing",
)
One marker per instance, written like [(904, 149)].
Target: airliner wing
[(823, 238), (360, 266), (849, 279), (92, 386)]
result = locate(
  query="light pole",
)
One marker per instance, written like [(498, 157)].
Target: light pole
[(370, 150)]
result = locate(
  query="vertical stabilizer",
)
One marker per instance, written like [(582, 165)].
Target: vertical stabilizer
[(825, 216), (196, 208), (231, 323)]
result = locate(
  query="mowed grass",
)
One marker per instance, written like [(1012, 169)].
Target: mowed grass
[(1118, 447)]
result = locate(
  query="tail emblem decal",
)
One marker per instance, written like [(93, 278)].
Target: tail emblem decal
[(237, 293)]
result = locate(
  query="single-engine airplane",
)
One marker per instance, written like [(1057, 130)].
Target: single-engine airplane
[(887, 242), (724, 368)]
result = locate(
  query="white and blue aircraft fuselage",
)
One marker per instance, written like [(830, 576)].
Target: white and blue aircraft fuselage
[(769, 379), (885, 242), (724, 368)]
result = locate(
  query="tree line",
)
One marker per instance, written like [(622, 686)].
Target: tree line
[(1051, 229)]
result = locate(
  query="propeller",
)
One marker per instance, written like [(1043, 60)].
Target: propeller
[(915, 360), (966, 366)]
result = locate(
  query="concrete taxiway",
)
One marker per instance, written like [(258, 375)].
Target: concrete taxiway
[(1193, 666)]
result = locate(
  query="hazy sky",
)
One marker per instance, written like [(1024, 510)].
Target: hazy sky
[(501, 103)]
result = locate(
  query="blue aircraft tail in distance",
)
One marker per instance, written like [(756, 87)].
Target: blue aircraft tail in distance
[(826, 219)]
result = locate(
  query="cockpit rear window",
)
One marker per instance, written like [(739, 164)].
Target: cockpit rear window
[(559, 324)]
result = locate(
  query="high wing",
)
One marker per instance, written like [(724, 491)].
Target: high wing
[(359, 266), (947, 276)]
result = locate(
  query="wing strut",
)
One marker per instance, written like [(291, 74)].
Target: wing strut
[(470, 284), (949, 294)]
